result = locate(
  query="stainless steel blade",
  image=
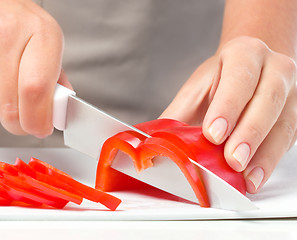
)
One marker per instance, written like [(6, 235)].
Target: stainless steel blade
[(87, 127), (166, 175)]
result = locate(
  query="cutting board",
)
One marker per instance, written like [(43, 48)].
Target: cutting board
[(277, 199)]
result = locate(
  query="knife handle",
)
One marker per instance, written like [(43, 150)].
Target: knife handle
[(60, 106)]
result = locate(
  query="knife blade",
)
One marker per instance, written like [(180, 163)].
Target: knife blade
[(86, 128)]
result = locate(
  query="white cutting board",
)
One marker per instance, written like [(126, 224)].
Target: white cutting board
[(277, 199)]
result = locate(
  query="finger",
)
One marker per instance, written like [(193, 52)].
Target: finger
[(236, 87), (8, 96), (262, 111), (40, 68), (273, 148), (11, 47)]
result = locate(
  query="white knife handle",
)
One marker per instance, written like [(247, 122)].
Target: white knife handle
[(60, 106)]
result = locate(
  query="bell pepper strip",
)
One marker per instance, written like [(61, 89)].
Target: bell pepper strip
[(24, 168), (65, 181), (8, 168), (51, 190), (19, 190), (46, 168), (172, 139), (5, 199), (39, 184), (5, 202)]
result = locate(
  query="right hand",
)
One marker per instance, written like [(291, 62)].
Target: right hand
[(31, 48)]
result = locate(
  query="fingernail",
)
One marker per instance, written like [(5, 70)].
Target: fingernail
[(256, 177), (241, 154), (218, 129)]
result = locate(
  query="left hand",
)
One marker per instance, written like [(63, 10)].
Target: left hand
[(245, 95)]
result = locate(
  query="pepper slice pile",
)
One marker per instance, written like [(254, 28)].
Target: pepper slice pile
[(172, 139), (38, 184)]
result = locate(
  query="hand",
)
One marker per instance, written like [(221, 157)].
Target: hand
[(31, 47), (245, 95)]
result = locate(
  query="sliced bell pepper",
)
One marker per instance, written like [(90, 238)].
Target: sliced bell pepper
[(65, 181), (5, 202), (20, 190), (8, 168), (39, 184), (5, 199), (46, 168), (24, 168), (51, 190), (172, 139)]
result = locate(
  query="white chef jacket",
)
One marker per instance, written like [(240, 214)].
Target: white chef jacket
[(130, 57)]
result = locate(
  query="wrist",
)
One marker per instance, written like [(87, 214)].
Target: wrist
[(270, 21)]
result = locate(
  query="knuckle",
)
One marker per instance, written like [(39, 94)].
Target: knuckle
[(256, 45), (269, 161), (287, 62), (47, 26), (255, 133), (290, 65), (233, 106), (277, 94), (10, 119), (288, 128), (287, 67), (246, 43), (36, 128), (9, 113), (9, 27), (278, 89), (8, 22), (290, 68), (33, 90), (293, 94), (244, 77), (36, 124), (12, 26)]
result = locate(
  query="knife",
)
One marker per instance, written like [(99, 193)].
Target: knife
[(86, 128)]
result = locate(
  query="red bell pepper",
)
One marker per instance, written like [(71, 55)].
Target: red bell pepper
[(172, 139)]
